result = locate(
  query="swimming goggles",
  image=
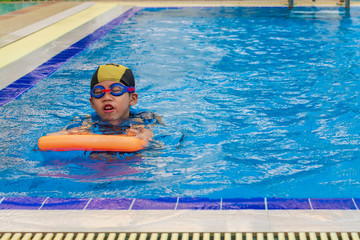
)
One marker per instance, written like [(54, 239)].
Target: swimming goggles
[(116, 89)]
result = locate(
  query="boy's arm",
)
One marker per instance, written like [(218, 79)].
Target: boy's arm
[(141, 132), (72, 131), (83, 129)]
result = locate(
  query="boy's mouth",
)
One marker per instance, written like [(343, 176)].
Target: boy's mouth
[(108, 108)]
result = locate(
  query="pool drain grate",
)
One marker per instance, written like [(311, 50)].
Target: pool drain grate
[(183, 236)]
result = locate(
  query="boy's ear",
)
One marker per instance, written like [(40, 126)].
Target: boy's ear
[(91, 102), (133, 98)]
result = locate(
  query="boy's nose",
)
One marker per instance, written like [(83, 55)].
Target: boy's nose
[(107, 95)]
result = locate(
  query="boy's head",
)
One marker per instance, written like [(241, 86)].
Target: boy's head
[(113, 92), (113, 72)]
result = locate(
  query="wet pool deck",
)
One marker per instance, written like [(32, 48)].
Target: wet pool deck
[(29, 37)]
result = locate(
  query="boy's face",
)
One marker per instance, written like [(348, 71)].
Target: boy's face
[(113, 108)]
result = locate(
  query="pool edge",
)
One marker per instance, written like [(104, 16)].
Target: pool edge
[(180, 221)]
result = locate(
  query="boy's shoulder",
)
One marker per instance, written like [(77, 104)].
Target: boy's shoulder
[(94, 124), (146, 117)]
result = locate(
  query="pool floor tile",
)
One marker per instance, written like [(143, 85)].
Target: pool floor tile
[(243, 203), (25, 203), (65, 204), (109, 204)]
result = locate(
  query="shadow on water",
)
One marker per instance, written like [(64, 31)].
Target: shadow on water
[(90, 166)]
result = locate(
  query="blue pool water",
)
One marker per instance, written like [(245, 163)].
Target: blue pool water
[(10, 7), (257, 102)]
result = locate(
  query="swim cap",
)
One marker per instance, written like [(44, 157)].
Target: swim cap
[(113, 72)]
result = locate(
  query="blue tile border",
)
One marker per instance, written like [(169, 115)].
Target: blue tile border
[(23, 84), (154, 204), (109, 204), (22, 203), (134, 204), (199, 204), (283, 204), (335, 203), (64, 204), (243, 203)]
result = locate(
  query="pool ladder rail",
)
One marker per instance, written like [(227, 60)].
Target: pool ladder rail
[(183, 236)]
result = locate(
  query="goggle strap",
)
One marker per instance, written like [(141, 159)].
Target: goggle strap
[(131, 89)]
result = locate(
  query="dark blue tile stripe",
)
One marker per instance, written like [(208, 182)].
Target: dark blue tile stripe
[(41, 203), (26, 82), (283, 204)]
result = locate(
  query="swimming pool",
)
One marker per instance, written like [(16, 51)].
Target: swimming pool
[(9, 7), (254, 101)]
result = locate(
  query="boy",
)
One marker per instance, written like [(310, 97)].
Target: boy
[(112, 94)]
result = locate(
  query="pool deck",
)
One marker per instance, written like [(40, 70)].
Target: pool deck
[(179, 221), (31, 36)]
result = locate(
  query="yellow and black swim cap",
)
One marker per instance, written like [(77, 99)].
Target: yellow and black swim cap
[(113, 72)]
